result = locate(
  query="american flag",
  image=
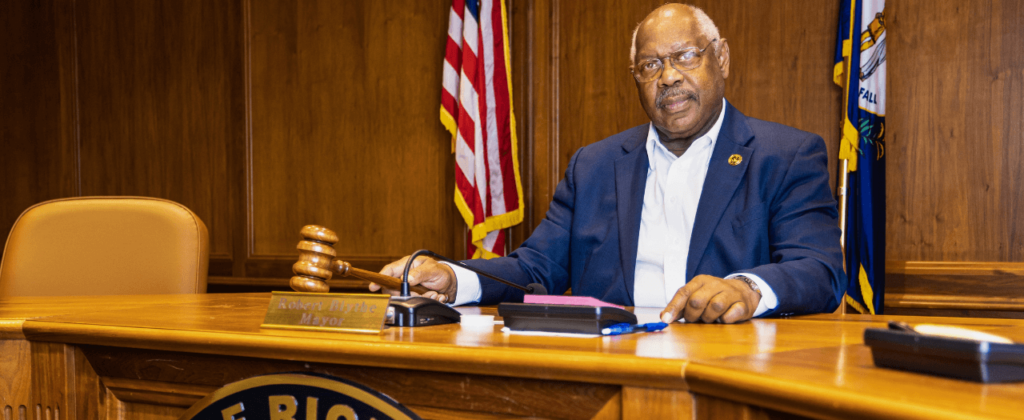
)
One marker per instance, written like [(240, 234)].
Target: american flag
[(476, 107)]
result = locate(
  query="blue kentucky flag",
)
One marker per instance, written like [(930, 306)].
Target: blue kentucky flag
[(860, 70)]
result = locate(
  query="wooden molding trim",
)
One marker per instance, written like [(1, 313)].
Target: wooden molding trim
[(974, 268), (282, 283), (220, 265), (10, 329), (983, 303), (156, 393), (954, 285)]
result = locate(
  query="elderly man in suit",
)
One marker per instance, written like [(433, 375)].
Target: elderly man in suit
[(708, 213)]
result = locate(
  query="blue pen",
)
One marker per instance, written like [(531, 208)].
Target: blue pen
[(627, 328)]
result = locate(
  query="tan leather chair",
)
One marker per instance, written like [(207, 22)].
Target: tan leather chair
[(105, 246)]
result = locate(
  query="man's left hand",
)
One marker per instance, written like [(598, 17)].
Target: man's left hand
[(712, 299)]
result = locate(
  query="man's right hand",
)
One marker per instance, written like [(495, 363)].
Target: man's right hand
[(426, 272)]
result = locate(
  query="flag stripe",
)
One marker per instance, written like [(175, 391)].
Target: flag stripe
[(455, 25), (503, 110), (451, 81)]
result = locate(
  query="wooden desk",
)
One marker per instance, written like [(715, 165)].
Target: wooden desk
[(124, 358), (842, 381), (15, 351)]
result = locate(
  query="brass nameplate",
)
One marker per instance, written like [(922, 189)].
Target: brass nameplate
[(363, 313)]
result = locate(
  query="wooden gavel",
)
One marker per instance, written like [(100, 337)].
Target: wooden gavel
[(317, 264)]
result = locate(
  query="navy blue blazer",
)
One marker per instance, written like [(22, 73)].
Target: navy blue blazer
[(772, 215)]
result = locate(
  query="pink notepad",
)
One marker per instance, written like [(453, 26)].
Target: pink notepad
[(568, 300)]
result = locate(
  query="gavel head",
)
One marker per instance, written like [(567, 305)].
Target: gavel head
[(315, 255)]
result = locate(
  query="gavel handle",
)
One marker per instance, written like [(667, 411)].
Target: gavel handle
[(344, 269)]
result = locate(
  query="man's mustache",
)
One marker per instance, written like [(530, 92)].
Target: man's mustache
[(674, 91)]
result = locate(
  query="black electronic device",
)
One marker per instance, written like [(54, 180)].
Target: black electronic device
[(573, 319), (418, 311), (979, 361)]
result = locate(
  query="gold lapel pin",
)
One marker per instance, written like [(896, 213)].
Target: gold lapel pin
[(735, 160)]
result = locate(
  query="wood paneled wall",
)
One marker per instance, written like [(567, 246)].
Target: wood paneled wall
[(160, 88), (260, 116), (345, 129), (955, 168), (955, 152), (266, 115), (38, 154)]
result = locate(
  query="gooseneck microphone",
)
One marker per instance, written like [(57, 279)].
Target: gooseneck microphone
[(532, 288), (416, 311)]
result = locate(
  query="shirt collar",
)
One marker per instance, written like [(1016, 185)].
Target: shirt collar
[(654, 144)]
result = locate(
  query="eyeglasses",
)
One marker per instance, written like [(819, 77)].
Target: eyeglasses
[(684, 59)]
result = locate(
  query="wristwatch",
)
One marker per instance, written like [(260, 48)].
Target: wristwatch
[(749, 282)]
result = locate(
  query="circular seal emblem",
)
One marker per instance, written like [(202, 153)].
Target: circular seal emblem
[(735, 160), (297, 396)]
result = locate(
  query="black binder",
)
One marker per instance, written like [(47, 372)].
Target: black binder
[(958, 358), (573, 319)]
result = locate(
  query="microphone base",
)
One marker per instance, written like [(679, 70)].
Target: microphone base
[(418, 311)]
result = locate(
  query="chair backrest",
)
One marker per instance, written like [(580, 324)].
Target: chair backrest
[(105, 246)]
